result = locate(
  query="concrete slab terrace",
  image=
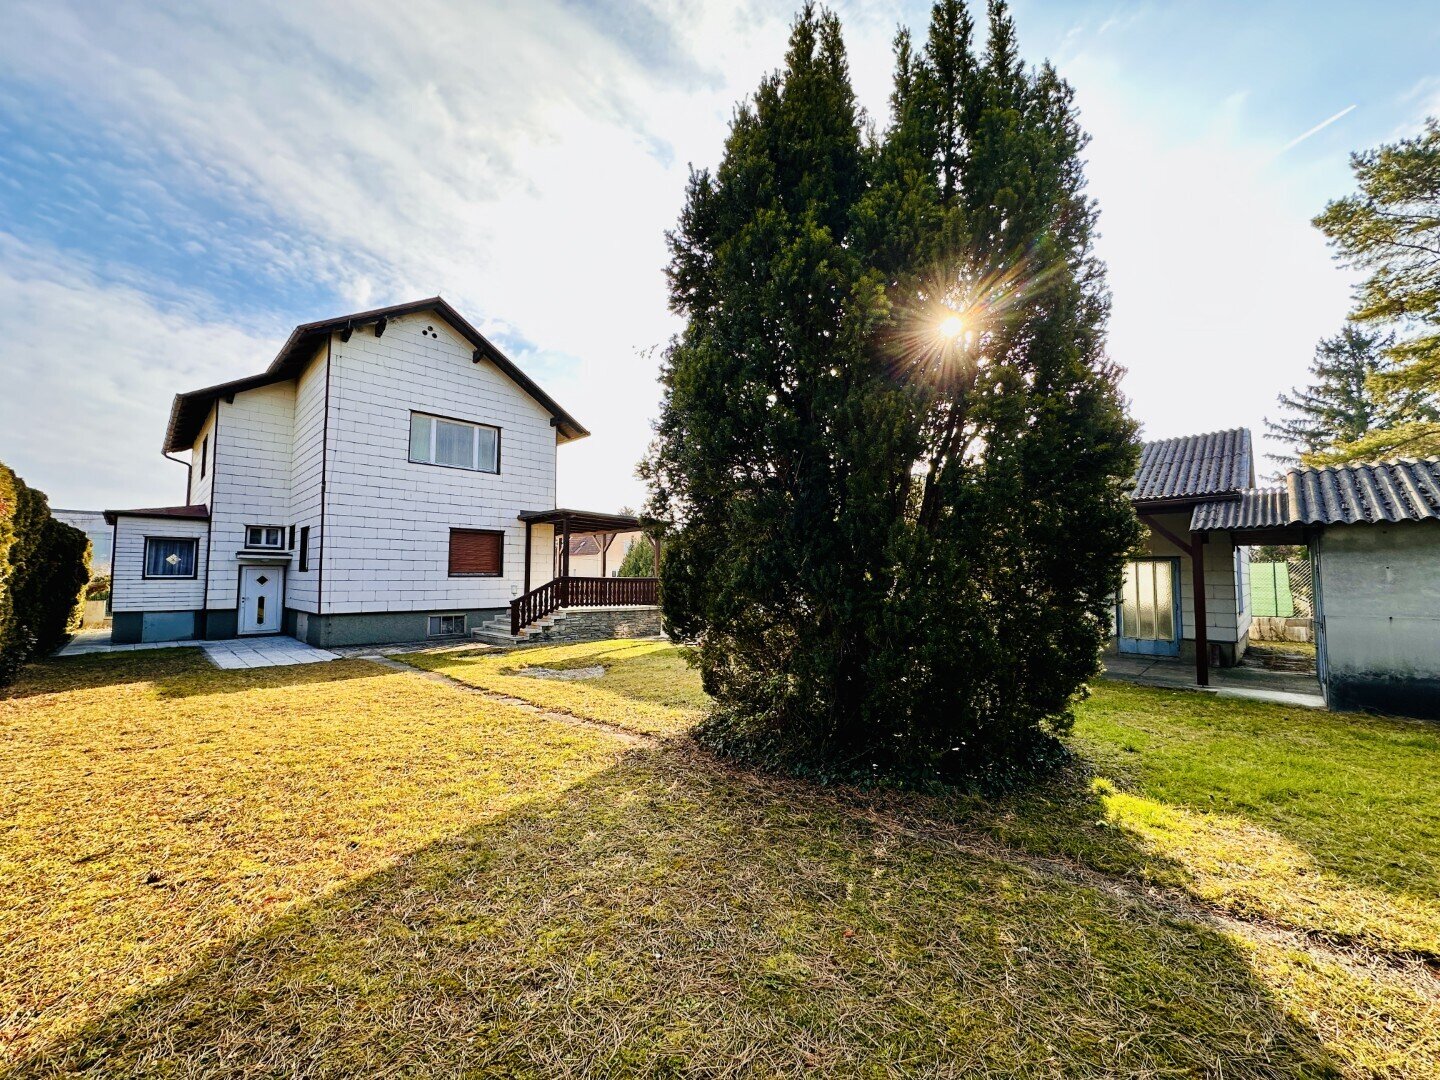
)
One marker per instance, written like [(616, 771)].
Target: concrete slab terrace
[(1280, 687)]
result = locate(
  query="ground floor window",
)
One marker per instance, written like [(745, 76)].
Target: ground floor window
[(446, 625), (476, 552), (170, 556)]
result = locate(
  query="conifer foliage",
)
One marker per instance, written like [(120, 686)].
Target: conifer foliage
[(892, 448)]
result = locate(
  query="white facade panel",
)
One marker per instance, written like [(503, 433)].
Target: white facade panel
[(307, 455), (252, 479), (131, 591), (388, 519)]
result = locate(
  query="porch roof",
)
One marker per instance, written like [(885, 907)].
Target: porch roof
[(582, 520)]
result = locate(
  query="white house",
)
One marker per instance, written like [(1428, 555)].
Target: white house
[(389, 477)]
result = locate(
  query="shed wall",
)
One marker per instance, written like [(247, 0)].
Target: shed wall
[(1380, 590)]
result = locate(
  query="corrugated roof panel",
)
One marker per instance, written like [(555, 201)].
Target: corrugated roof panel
[(1334, 495), (1258, 508), (1404, 490), (1194, 466)]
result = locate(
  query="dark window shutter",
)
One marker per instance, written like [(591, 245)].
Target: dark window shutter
[(473, 552)]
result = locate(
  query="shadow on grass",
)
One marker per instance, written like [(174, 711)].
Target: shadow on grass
[(669, 915), (95, 671), (174, 674)]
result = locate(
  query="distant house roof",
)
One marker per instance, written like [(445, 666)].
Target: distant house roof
[(195, 511), (1367, 492), (189, 410), (584, 545), (1213, 465)]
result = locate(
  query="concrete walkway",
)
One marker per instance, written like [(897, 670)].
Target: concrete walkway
[(257, 652), (1253, 684), (86, 642), (246, 652)]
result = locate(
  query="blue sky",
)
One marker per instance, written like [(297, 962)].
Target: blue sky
[(181, 183)]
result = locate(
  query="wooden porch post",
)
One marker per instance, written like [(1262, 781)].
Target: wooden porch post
[(527, 556), (655, 547), (608, 538), (1197, 585), (565, 562)]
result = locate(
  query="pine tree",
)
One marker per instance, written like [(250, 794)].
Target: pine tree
[(1392, 229), (1342, 404)]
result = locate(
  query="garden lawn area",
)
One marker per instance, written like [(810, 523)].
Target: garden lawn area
[(344, 869)]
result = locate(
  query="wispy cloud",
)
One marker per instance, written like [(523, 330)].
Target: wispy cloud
[(1317, 128)]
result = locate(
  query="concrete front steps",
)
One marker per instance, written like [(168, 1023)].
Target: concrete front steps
[(496, 631)]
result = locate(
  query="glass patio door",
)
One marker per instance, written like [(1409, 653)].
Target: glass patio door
[(1149, 615)]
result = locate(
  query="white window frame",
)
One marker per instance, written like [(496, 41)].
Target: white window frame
[(278, 545), (435, 625), (434, 434)]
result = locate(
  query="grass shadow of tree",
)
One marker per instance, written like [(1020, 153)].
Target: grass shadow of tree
[(667, 916)]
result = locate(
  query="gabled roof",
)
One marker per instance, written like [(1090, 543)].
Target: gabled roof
[(189, 410), (1209, 466), (195, 511), (1366, 492)]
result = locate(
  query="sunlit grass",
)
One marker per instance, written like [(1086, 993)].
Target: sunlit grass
[(647, 686), (358, 871), (156, 809)]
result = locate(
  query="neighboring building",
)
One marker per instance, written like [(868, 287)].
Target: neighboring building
[(600, 554), (1373, 533), (368, 487), (1156, 613), (92, 523)]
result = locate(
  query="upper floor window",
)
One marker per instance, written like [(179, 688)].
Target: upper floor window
[(264, 536), (435, 440), (204, 455), (170, 556)]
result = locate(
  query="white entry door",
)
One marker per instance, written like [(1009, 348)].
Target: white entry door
[(260, 599)]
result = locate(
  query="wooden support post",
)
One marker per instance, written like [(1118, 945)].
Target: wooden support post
[(527, 556), (1197, 586), (655, 547), (565, 563)]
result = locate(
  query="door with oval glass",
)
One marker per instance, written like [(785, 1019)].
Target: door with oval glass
[(260, 599), (1149, 608)]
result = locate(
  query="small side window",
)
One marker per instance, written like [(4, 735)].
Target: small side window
[(264, 536), (304, 559), (204, 455)]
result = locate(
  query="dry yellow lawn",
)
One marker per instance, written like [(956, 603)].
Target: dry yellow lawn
[(343, 870), (158, 810)]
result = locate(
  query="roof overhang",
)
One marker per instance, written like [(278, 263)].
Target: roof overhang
[(189, 410), (193, 512), (582, 520)]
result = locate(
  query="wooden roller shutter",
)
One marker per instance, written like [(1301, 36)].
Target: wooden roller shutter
[(475, 553)]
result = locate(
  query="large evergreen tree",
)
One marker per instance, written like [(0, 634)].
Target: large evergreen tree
[(895, 542), (1391, 228), (1342, 403)]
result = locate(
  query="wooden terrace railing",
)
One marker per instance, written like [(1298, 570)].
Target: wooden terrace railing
[(565, 592)]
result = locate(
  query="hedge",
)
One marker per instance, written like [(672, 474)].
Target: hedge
[(44, 568)]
